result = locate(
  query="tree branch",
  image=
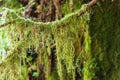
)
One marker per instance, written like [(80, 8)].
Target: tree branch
[(5, 24), (92, 3), (79, 12)]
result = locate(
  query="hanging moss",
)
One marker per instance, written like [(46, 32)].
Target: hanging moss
[(67, 36), (65, 49)]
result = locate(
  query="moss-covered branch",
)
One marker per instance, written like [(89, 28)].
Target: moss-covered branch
[(83, 9), (57, 22)]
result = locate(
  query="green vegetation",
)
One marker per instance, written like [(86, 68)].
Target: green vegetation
[(85, 47)]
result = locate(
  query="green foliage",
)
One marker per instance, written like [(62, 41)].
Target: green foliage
[(30, 59), (35, 74)]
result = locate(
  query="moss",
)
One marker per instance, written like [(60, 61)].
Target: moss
[(105, 30), (88, 53)]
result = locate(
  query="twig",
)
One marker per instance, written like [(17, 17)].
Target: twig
[(90, 4), (7, 23), (53, 46), (79, 12)]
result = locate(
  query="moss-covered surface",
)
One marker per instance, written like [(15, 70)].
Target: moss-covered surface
[(86, 47), (105, 35)]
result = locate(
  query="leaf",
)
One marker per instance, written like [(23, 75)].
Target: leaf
[(35, 74), (30, 59)]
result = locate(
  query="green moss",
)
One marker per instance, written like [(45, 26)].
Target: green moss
[(105, 30), (93, 51)]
